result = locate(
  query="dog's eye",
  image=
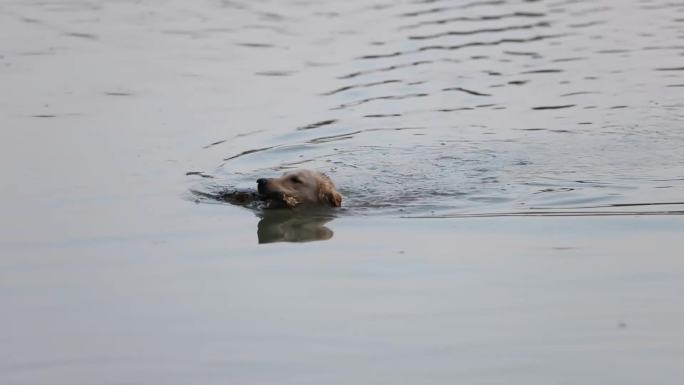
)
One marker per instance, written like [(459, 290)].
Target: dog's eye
[(295, 179)]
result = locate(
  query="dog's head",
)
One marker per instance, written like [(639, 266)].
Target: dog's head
[(299, 188)]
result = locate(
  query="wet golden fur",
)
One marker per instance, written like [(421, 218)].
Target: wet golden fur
[(300, 188)]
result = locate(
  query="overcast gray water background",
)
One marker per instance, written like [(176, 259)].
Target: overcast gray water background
[(513, 177)]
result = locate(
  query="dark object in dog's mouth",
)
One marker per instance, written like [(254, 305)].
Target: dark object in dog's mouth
[(274, 199), (270, 196), (277, 199)]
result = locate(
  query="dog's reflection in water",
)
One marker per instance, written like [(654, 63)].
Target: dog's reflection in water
[(284, 225)]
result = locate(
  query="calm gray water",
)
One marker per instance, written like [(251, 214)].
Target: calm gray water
[(512, 170)]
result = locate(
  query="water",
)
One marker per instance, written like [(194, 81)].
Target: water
[(512, 176), (448, 108)]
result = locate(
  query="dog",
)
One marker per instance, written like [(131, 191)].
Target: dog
[(299, 188)]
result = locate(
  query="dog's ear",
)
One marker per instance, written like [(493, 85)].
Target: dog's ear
[(327, 193), (333, 198)]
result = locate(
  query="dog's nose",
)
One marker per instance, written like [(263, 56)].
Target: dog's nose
[(261, 181)]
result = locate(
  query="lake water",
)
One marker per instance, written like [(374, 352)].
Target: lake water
[(512, 172)]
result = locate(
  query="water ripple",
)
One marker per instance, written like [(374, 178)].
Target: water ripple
[(376, 98), (479, 31), (553, 107), (472, 19), (460, 46), (443, 9), (467, 91), (365, 85)]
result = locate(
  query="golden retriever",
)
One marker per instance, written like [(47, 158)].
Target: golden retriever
[(305, 188)]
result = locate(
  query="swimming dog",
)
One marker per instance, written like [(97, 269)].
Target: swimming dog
[(299, 188)]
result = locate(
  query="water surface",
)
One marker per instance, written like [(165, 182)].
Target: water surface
[(452, 108), (512, 172)]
